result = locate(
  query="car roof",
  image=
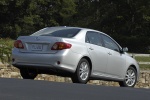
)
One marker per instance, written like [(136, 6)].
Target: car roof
[(87, 29)]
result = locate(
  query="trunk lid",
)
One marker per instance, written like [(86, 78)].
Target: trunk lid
[(38, 44)]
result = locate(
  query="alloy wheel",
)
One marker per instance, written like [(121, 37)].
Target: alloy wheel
[(84, 71), (130, 77)]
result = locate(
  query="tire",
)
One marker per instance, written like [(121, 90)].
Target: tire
[(28, 73), (82, 73), (130, 78)]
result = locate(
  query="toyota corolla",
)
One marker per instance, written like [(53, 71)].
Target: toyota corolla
[(79, 53)]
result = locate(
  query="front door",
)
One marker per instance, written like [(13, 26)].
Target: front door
[(116, 60)]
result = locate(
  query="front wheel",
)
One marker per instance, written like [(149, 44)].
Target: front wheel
[(130, 78), (82, 72), (28, 73)]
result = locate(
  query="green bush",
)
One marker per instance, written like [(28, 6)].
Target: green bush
[(6, 46)]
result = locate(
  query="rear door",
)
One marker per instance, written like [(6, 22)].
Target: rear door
[(97, 52)]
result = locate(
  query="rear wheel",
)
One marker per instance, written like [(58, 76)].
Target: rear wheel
[(82, 72), (130, 78), (28, 73)]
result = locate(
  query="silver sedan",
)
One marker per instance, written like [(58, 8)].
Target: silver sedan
[(79, 53)]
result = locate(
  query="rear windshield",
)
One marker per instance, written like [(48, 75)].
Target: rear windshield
[(57, 32)]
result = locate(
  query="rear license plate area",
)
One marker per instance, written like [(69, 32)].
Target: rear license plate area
[(36, 47)]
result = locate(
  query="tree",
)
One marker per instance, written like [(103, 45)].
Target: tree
[(23, 17)]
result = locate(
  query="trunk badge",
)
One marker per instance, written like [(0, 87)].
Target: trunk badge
[(37, 39)]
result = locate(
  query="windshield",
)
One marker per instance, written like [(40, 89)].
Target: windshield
[(57, 32)]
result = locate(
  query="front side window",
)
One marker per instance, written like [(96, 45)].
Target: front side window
[(93, 38), (109, 43)]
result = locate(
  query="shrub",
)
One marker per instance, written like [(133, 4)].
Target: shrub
[(6, 46)]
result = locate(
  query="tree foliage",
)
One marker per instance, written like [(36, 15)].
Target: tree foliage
[(128, 21), (22, 17)]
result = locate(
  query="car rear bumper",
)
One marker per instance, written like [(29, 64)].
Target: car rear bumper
[(63, 60)]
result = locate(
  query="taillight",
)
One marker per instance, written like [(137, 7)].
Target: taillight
[(61, 46), (18, 44)]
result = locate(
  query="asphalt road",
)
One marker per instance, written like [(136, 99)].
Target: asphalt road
[(19, 89)]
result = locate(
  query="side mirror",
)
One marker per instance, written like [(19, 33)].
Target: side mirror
[(124, 49)]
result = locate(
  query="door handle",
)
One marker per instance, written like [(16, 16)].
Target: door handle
[(91, 48), (109, 53)]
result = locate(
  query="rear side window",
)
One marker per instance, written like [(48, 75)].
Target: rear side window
[(57, 32), (93, 38)]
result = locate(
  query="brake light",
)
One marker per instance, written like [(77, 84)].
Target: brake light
[(61, 46), (18, 44)]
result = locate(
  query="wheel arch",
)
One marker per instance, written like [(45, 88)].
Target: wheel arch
[(136, 69), (89, 60), (133, 67), (127, 67)]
